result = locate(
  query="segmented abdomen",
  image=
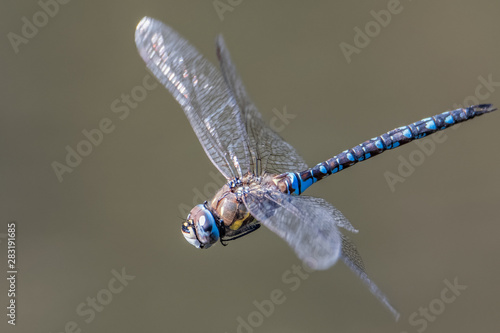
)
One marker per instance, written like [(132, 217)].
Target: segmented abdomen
[(298, 182)]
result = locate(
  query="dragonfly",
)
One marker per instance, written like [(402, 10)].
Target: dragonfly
[(265, 175)]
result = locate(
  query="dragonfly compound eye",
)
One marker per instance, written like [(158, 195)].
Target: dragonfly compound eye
[(200, 228)]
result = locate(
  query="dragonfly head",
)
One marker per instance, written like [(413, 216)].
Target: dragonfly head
[(200, 228)]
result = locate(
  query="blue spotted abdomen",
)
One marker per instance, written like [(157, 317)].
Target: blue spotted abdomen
[(298, 182)]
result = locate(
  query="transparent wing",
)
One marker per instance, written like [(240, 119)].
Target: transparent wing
[(275, 155), (307, 224), (202, 93), (352, 259)]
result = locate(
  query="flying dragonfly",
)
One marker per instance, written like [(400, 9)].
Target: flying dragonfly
[(265, 175)]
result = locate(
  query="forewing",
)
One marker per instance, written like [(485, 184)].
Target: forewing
[(303, 222), (275, 154), (309, 225), (202, 93), (352, 259)]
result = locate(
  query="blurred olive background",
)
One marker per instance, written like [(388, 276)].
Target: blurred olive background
[(122, 206)]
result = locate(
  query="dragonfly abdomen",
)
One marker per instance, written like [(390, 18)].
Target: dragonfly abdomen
[(298, 182)]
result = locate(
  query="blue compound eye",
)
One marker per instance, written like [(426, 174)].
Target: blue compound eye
[(200, 229)]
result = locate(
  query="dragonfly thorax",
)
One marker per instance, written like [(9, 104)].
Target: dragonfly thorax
[(223, 216), (228, 206)]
